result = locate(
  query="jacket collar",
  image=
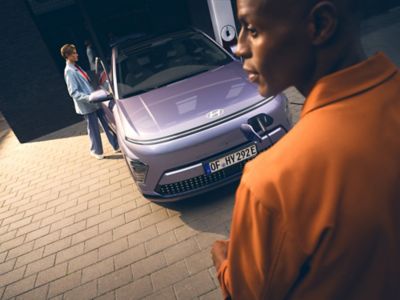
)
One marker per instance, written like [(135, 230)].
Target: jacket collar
[(349, 82)]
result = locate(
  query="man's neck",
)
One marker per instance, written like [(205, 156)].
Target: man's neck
[(332, 62)]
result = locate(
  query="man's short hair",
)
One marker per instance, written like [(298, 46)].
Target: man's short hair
[(67, 50)]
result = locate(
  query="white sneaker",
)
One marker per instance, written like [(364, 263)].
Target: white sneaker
[(117, 150), (97, 156)]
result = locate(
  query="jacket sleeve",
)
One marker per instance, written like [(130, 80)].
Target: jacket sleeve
[(73, 88), (257, 235)]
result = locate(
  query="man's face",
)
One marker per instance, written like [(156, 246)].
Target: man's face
[(273, 43), (73, 57)]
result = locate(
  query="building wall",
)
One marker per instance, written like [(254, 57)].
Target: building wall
[(33, 96)]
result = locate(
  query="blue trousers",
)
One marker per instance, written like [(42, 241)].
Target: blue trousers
[(93, 130)]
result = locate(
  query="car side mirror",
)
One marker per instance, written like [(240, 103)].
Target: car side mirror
[(100, 96)]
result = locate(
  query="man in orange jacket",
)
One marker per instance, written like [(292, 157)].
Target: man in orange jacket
[(317, 216)]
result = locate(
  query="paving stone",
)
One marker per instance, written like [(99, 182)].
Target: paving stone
[(20, 250), (27, 207), (51, 274), (148, 265), (213, 295), (57, 246), (121, 209), (11, 213), (193, 286), (107, 296), (28, 228), (185, 232), (160, 243), (7, 266), (126, 229), (114, 280), (20, 223), (11, 243), (105, 216), (142, 236), (113, 248), (40, 265), (98, 241), (140, 201), (12, 276), (85, 235), (109, 188), (165, 294), (47, 239), (76, 209), (11, 217), (8, 235), (121, 191), (112, 223), (82, 261), (4, 229), (97, 270), (90, 212), (64, 284), (33, 208), (19, 287), (72, 229), (153, 218), (52, 219), (89, 196), (169, 224), (97, 201), (46, 213), (62, 223), (39, 293), (138, 212), (129, 256), (135, 290), (199, 261), (37, 233), (181, 250), (29, 257), (169, 275), (69, 253), (3, 256), (84, 292), (213, 273)]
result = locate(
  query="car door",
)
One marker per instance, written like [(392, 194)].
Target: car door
[(104, 82)]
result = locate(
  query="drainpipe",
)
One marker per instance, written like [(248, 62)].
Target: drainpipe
[(223, 22)]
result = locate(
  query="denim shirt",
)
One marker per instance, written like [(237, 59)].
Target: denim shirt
[(79, 89)]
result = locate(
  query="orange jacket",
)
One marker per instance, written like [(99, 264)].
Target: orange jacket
[(318, 215)]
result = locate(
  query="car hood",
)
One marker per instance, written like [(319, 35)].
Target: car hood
[(187, 104)]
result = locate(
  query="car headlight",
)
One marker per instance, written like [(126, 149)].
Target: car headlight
[(139, 170)]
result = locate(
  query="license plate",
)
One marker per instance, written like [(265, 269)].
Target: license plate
[(230, 159)]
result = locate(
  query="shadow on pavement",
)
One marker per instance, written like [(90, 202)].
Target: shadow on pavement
[(114, 156), (209, 212), (74, 130)]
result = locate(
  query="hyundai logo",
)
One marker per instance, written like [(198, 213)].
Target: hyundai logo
[(215, 113)]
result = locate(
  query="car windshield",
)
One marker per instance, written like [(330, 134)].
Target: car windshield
[(162, 61)]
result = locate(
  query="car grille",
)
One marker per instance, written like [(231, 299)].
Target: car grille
[(201, 181)]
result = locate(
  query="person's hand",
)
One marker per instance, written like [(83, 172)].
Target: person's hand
[(219, 253)]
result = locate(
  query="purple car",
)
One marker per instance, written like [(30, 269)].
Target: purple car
[(186, 117)]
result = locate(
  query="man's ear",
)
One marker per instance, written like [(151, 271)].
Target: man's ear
[(323, 20)]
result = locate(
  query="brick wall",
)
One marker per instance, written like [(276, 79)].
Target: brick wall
[(33, 96)]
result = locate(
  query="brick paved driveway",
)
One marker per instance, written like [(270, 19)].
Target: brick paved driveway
[(73, 227)]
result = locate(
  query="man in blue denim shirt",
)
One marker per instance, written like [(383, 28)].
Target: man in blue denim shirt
[(79, 88)]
